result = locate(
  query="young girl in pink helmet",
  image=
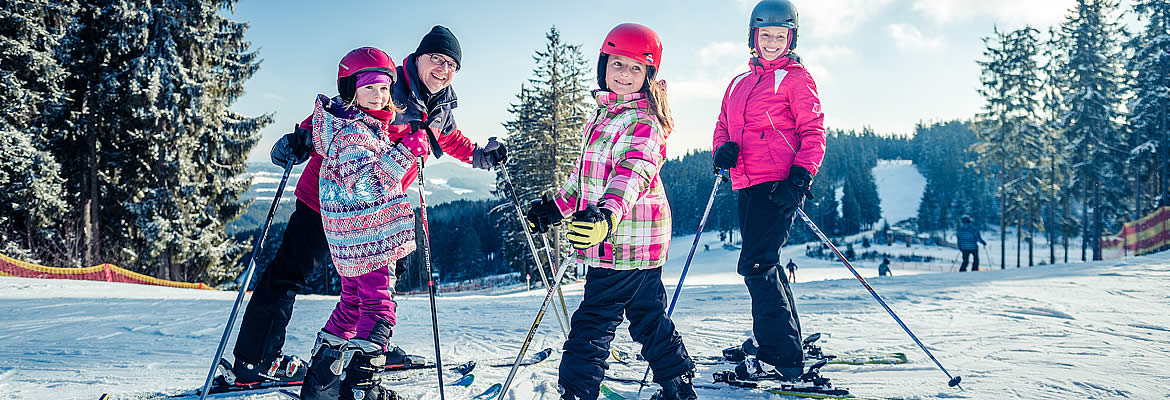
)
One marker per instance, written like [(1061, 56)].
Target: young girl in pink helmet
[(771, 135), (620, 221), (368, 223)]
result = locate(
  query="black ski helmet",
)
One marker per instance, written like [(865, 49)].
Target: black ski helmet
[(780, 13), (965, 218)]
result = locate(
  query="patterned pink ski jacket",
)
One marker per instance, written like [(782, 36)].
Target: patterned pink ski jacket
[(778, 93), (624, 148), (367, 219)]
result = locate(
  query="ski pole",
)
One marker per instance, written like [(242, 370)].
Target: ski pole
[(954, 381), (511, 189), (227, 330), (686, 266), (552, 266), (988, 254), (422, 206), (556, 284)]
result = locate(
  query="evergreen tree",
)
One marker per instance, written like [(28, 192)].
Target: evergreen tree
[(30, 74), (1012, 135), (1149, 127), (545, 135), (1093, 93)]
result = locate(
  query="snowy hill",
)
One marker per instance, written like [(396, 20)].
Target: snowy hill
[(447, 181), (1096, 330)]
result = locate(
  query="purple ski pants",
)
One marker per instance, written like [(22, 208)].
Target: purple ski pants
[(365, 299)]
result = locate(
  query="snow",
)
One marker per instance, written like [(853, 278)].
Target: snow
[(1064, 331), (900, 187), (1093, 330)]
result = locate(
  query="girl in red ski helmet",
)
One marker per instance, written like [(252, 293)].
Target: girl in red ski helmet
[(771, 136), (620, 221), (367, 220)]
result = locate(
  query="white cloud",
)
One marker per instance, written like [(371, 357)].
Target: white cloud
[(1033, 12), (715, 53), (828, 18), (908, 37), (831, 52)]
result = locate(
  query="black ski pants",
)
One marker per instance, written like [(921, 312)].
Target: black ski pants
[(971, 253), (765, 226), (638, 294), (302, 249)]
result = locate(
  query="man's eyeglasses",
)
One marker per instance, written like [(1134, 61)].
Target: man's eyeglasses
[(439, 61)]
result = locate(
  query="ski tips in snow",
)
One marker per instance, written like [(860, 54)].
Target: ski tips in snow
[(490, 393)]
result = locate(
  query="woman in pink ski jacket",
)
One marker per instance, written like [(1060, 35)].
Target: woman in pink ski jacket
[(771, 135), (621, 221)]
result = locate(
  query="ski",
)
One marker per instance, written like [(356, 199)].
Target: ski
[(610, 394), (465, 381), (533, 359), (402, 374), (792, 391), (490, 393), (220, 385), (625, 357)]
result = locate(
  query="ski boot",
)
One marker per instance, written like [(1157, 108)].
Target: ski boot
[(323, 379), (741, 352), (284, 369), (677, 388), (396, 358), (753, 369), (365, 360), (566, 395)]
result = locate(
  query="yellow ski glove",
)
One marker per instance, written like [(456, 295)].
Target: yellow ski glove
[(590, 227)]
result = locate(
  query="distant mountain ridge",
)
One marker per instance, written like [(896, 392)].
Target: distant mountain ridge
[(446, 181)]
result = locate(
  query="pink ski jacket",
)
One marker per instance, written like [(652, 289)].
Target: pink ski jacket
[(623, 150), (367, 219), (774, 113)]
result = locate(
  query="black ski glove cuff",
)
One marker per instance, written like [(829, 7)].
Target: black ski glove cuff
[(296, 146), (726, 155), (542, 214), (799, 177)]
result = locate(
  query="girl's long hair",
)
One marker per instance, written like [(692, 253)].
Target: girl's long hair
[(659, 105)]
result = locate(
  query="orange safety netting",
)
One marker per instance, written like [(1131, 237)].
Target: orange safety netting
[(104, 272), (1139, 237)]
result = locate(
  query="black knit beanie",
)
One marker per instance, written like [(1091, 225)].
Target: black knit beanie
[(441, 40)]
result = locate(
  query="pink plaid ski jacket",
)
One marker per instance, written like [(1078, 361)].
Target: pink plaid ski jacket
[(624, 148)]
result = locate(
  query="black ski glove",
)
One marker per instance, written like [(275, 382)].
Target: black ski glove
[(490, 155), (542, 214), (296, 146), (726, 155), (790, 193)]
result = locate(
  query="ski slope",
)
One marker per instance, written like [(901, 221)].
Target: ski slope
[(1067, 331), (1095, 330)]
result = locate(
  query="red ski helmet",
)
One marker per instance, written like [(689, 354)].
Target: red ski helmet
[(634, 41), (780, 13), (361, 59)]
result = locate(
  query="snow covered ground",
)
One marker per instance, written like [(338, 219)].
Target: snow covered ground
[(1065, 331), (1096, 330)]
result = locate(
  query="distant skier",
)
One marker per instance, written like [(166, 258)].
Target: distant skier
[(620, 222), (884, 268), (791, 271), (422, 86), (771, 134), (969, 240)]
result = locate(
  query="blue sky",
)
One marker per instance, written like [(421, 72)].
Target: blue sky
[(886, 64)]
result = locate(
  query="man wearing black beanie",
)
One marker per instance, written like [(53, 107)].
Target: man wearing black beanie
[(423, 89)]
